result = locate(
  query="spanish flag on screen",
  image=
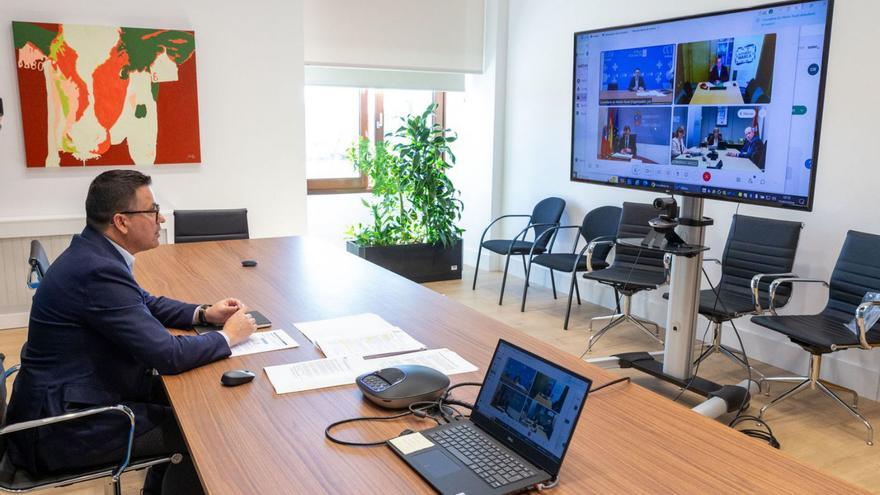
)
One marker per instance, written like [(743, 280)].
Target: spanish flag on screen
[(608, 133)]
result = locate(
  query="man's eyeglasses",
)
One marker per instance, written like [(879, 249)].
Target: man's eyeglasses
[(154, 211)]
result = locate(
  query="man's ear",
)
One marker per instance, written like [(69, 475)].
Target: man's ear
[(120, 223)]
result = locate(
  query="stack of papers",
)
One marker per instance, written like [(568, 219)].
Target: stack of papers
[(272, 340), (343, 370), (363, 335)]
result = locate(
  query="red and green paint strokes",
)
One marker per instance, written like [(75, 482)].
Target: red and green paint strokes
[(90, 95)]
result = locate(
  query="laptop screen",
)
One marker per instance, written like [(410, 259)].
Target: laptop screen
[(530, 402)]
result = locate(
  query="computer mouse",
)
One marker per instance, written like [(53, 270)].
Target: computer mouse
[(248, 263), (232, 378)]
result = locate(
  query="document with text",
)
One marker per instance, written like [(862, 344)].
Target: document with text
[(344, 327), (343, 370), (391, 341), (273, 340)]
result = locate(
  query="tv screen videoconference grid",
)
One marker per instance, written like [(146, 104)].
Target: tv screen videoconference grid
[(724, 105)]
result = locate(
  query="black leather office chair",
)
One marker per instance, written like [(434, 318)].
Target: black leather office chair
[(633, 270), (210, 225), (599, 223), (758, 251), (15, 480), (39, 264), (856, 273), (545, 215)]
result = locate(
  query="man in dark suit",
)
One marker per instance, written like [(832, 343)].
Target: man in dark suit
[(637, 82), (752, 147), (626, 143), (718, 73), (95, 337)]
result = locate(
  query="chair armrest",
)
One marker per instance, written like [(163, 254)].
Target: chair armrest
[(118, 408), (11, 370), (525, 230), (555, 230), (495, 221), (592, 247), (756, 283), (860, 322), (776, 283), (714, 260)]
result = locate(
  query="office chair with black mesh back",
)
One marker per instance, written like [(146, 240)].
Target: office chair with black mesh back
[(633, 270), (758, 251), (856, 273), (39, 264), (210, 225), (545, 215), (598, 224), (15, 480)]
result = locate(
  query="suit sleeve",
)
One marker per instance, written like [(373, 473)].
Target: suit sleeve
[(119, 310), (171, 313)]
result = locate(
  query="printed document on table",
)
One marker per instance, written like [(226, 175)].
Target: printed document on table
[(317, 373), (343, 370), (272, 340), (392, 341), (443, 360), (345, 326)]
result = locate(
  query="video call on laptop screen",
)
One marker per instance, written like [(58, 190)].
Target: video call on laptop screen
[(724, 105), (531, 399)]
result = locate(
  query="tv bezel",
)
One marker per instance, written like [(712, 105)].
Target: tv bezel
[(819, 109)]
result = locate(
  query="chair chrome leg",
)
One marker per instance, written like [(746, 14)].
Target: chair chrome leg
[(764, 384), (638, 322), (577, 289), (834, 386), (735, 358), (869, 439), (595, 337), (504, 279), (571, 289), (522, 306), (477, 269), (790, 393), (524, 263), (603, 318), (553, 283), (643, 322)]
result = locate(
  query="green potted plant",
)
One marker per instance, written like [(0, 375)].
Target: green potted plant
[(414, 205)]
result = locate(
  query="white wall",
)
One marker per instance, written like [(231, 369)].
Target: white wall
[(537, 151), (250, 77)]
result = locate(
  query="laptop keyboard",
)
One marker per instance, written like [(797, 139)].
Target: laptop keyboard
[(495, 466)]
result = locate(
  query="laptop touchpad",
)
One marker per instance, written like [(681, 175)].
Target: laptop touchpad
[(435, 463)]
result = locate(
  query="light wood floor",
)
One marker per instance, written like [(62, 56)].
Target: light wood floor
[(809, 426)]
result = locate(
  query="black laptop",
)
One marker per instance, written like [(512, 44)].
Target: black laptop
[(518, 432)]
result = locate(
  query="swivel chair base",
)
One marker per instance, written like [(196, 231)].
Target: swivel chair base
[(616, 319), (718, 347), (814, 382)]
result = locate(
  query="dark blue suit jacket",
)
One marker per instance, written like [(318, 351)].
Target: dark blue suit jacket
[(94, 338)]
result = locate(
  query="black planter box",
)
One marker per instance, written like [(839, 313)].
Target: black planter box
[(417, 262)]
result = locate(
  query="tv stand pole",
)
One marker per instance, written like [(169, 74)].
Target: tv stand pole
[(684, 294), (676, 366)]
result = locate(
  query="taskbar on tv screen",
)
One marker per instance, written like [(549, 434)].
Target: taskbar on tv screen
[(708, 192)]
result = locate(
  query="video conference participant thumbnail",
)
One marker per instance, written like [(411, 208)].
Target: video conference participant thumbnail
[(719, 137), (637, 76), (725, 71), (634, 134)]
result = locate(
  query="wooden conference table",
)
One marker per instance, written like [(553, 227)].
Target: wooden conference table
[(248, 440), (730, 95)]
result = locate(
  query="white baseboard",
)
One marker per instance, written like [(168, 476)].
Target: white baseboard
[(18, 319)]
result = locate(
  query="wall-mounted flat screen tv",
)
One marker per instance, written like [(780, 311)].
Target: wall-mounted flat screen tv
[(725, 105)]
